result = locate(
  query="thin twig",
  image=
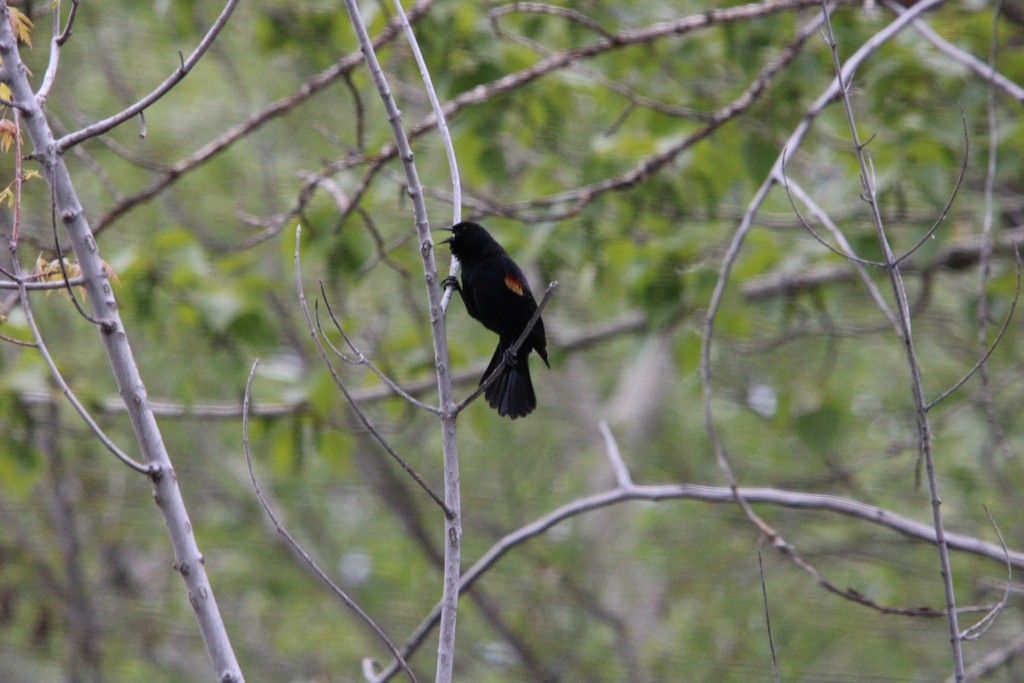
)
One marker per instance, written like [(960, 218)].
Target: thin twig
[(363, 360), (980, 364), (917, 388), (768, 618), (949, 203), (611, 449), (541, 8), (62, 385), (837, 234), (978, 630), (845, 253), (70, 24), (985, 253), (446, 140), (367, 423), (310, 562)]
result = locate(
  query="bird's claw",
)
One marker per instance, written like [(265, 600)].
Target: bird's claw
[(510, 357), (451, 281)]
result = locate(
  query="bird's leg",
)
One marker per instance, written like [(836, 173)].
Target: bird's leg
[(451, 281), (510, 357)]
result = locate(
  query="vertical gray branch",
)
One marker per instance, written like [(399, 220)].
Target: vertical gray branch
[(452, 496), (187, 558)]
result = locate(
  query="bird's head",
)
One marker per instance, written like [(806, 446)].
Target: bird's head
[(470, 240)]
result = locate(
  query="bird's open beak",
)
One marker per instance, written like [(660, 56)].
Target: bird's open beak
[(447, 241)]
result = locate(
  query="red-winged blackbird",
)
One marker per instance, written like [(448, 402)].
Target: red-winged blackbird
[(496, 293)]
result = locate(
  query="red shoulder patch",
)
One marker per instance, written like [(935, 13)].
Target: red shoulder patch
[(513, 283)]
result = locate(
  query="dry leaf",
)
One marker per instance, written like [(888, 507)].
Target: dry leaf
[(8, 131), (21, 25), (49, 271)]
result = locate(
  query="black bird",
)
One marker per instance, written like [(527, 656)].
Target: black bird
[(496, 293)]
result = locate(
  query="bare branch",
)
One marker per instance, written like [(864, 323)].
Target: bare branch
[(239, 131), (552, 10), (845, 253), (635, 98), (985, 71), (111, 122), (746, 224), (579, 198), (611, 449), (446, 140), (954, 255), (452, 493), (723, 495), (70, 24), (837, 234), (48, 285), (188, 560), (903, 312), (57, 40), (994, 660), (949, 203)]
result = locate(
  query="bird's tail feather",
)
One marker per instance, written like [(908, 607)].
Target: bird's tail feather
[(512, 393)]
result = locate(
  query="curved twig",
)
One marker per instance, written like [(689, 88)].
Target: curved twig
[(310, 562), (869, 284), (978, 630), (542, 8), (768, 619), (361, 359), (807, 226), (57, 41), (26, 307), (992, 347), (952, 198), (370, 427)]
